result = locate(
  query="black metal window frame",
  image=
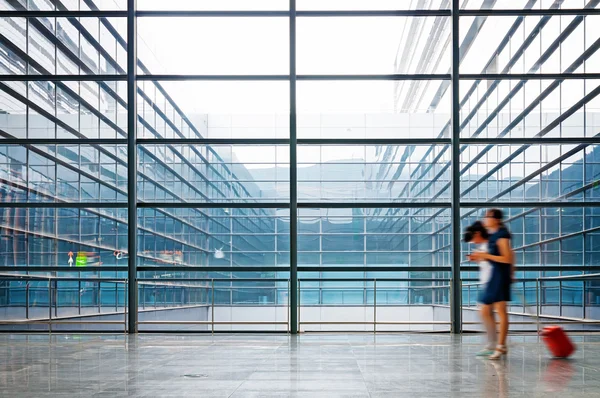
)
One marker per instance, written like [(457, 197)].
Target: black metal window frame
[(453, 140)]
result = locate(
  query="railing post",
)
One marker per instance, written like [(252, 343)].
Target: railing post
[(374, 305), (99, 297), (125, 303), (212, 323), (524, 299), (560, 300), (26, 300), (468, 295), (116, 296), (143, 296), (289, 308), (49, 305), (583, 301), (537, 307), (79, 294), (56, 299), (300, 306)]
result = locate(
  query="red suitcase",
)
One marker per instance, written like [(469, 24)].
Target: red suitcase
[(557, 341)]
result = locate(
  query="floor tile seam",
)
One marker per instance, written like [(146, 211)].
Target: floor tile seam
[(360, 370)]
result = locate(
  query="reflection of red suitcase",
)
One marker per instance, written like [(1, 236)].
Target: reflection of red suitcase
[(557, 341)]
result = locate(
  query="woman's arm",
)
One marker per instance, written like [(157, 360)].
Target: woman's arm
[(506, 254)]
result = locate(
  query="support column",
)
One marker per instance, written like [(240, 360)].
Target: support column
[(293, 301), (132, 165), (456, 299)]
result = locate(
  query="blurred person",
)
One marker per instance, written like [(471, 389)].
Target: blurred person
[(496, 293)]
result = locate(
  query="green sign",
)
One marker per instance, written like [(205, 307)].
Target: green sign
[(81, 260)]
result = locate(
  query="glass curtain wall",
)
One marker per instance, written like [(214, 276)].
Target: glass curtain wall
[(292, 165)]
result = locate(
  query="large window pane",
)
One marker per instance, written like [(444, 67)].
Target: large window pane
[(78, 238), (219, 46), (505, 173), (175, 173), (214, 109), (211, 237), (373, 237), (44, 109), (373, 109), (63, 173), (530, 108), (370, 5), (531, 44), (373, 173), (68, 46), (213, 5), (373, 45)]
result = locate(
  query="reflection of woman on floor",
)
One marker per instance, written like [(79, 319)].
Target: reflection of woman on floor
[(496, 293)]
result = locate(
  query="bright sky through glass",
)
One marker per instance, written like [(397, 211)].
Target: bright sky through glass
[(335, 45)]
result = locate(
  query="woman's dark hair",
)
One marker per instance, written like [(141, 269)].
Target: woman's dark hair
[(473, 229), (497, 214)]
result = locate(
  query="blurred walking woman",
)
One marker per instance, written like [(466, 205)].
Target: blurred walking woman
[(497, 292)]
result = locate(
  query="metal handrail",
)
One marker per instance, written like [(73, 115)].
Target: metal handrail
[(582, 277), (375, 322), (212, 321), (53, 300), (376, 284)]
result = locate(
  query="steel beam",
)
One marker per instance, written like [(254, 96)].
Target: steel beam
[(132, 165), (456, 300), (293, 299)]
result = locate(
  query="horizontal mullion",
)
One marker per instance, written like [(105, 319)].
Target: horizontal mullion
[(177, 77), (63, 14), (358, 77), (21, 268), (375, 13), (158, 280), (525, 12), (382, 268), (416, 76), (36, 278), (64, 205), (64, 141), (300, 141), (212, 269), (372, 141), (62, 78), (205, 13), (373, 205), (533, 140), (529, 76), (213, 205), (548, 204), (540, 268), (374, 280), (286, 13), (213, 141)]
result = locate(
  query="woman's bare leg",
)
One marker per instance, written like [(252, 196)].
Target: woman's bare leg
[(500, 308), (489, 322)]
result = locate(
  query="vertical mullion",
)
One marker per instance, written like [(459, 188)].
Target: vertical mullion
[(456, 303), (132, 165), (293, 177)]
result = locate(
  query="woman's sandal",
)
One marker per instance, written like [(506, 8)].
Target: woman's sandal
[(498, 353)]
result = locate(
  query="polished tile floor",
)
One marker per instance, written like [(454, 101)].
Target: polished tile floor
[(314, 365)]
